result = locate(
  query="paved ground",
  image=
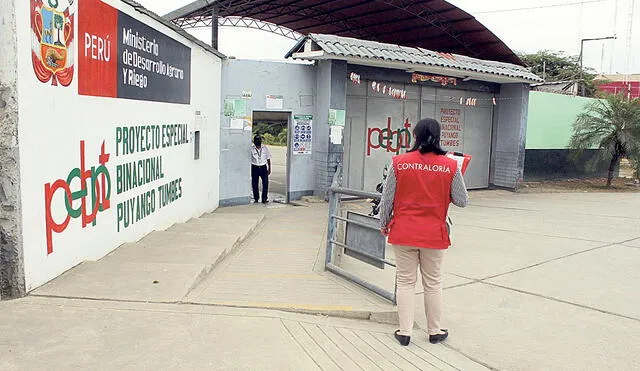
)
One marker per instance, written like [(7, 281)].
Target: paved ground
[(534, 282), (277, 180), (281, 264), (46, 333), (162, 267)]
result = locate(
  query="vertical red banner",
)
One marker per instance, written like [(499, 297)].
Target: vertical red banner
[(98, 49)]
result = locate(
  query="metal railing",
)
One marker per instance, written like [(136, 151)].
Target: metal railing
[(365, 251)]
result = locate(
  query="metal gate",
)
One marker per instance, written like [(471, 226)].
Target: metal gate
[(361, 240)]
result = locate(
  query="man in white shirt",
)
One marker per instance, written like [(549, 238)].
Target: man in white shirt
[(260, 168)]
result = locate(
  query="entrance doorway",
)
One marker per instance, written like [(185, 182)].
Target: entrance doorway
[(274, 129)]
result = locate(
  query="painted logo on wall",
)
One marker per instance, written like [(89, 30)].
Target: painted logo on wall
[(390, 140), (52, 40), (98, 189)]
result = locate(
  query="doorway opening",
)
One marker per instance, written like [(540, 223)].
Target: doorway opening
[(274, 129)]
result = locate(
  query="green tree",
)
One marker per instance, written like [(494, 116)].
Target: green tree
[(270, 128), (58, 24), (268, 139), (282, 137), (612, 125), (556, 66), (272, 133)]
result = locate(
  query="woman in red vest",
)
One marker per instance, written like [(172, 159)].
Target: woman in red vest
[(415, 201)]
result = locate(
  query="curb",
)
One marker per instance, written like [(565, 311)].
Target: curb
[(390, 318), (209, 268)]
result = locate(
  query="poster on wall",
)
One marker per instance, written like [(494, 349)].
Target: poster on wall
[(120, 57), (235, 107), (337, 117), (302, 134)]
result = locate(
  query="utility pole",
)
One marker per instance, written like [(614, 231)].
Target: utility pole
[(582, 55), (628, 47), (615, 24)]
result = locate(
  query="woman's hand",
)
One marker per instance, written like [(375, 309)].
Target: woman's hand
[(384, 231)]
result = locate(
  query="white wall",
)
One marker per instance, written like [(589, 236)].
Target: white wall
[(54, 119)]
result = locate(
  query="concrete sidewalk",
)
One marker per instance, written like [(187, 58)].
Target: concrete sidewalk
[(68, 334), (539, 281), (162, 267), (282, 266), (533, 282), (279, 265)]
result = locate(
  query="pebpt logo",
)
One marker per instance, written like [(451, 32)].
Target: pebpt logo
[(52, 41), (386, 138), (100, 186)]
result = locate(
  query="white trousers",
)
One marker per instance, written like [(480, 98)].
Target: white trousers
[(430, 261)]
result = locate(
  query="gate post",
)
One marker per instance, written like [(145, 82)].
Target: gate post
[(334, 207)]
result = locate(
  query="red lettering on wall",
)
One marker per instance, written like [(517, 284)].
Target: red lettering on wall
[(391, 140), (100, 193)]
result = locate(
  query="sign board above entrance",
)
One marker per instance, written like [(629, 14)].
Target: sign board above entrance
[(442, 80), (121, 57), (275, 102)]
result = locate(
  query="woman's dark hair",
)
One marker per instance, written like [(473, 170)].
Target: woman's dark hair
[(257, 140), (427, 135)]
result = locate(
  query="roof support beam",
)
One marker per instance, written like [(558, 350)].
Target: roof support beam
[(188, 9), (214, 27), (327, 12)]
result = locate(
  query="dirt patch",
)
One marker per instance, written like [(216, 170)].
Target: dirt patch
[(580, 185)]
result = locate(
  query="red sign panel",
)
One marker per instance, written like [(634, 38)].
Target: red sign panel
[(97, 56)]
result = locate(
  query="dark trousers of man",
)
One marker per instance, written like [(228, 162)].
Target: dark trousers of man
[(260, 172)]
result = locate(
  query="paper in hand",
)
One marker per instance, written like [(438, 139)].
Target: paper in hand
[(462, 160)]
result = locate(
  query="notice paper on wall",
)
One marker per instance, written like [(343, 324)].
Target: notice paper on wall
[(237, 124), (336, 134), (274, 102)]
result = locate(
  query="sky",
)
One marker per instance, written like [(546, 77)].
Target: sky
[(524, 25)]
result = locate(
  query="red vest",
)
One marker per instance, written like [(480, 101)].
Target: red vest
[(421, 202)]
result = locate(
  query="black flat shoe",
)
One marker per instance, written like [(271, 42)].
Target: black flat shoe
[(435, 339), (402, 339)]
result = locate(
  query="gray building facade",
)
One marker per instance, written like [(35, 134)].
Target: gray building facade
[(365, 98)]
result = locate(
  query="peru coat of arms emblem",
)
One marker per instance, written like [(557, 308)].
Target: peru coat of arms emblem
[(52, 40)]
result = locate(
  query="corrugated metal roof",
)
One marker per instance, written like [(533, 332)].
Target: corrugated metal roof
[(431, 24), (345, 47)]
